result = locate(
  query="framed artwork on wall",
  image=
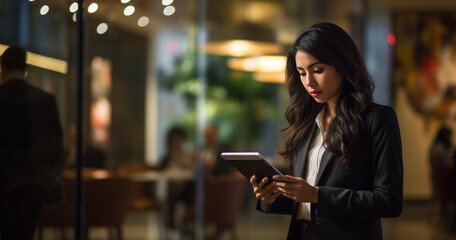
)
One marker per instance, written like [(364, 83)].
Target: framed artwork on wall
[(424, 63), (424, 88)]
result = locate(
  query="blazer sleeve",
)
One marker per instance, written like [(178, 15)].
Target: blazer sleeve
[(385, 197), (281, 205)]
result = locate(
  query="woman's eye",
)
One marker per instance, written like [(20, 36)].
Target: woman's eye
[(302, 74), (318, 70)]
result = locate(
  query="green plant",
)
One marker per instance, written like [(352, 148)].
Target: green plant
[(235, 102)]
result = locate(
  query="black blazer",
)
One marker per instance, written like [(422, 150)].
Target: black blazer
[(352, 198), (31, 142)]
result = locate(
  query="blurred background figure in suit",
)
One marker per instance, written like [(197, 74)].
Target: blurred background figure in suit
[(442, 160), (31, 149), (441, 153)]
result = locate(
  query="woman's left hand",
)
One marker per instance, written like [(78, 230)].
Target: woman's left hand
[(296, 188)]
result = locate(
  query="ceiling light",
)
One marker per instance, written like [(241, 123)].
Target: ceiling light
[(53, 64), (31, 0), (241, 48), (44, 10), (102, 28), (143, 21), (74, 7), (75, 17), (129, 10), (269, 77), (241, 40), (167, 2), (93, 7), (169, 10), (267, 63), (269, 68), (124, 1)]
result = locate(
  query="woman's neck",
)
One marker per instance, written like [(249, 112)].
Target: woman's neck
[(328, 116)]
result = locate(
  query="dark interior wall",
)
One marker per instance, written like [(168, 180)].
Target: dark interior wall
[(127, 53)]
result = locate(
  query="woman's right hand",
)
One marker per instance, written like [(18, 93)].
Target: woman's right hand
[(264, 193)]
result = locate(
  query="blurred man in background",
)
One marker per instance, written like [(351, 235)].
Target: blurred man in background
[(31, 149)]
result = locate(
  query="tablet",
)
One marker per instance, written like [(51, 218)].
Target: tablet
[(251, 163)]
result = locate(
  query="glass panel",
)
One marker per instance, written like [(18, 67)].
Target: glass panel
[(140, 106)]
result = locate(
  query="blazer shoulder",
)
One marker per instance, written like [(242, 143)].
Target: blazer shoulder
[(380, 118), (378, 110)]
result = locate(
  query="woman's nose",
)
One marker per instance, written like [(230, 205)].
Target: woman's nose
[(310, 81)]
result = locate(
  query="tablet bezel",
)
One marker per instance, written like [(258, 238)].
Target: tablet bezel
[(264, 168)]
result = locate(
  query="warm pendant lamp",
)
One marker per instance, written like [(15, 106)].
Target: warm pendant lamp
[(240, 40), (264, 68)]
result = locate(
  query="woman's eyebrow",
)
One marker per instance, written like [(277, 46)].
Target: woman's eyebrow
[(311, 65)]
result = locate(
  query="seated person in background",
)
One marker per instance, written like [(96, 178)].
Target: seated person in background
[(93, 156), (180, 193), (175, 156), (213, 162)]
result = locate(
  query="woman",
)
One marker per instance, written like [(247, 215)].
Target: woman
[(344, 150)]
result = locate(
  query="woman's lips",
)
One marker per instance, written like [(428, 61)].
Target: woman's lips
[(315, 93)]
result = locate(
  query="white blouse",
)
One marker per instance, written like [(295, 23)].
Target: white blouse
[(313, 164)]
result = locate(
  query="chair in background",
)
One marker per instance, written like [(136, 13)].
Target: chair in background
[(446, 192), (143, 196), (224, 196), (106, 202)]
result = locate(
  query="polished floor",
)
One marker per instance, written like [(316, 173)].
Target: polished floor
[(419, 221)]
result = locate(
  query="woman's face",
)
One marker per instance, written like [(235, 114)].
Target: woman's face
[(321, 81)]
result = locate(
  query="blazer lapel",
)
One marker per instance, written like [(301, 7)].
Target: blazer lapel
[(300, 159), (327, 155)]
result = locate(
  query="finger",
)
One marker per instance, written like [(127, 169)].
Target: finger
[(290, 196), (272, 197), (285, 178), (266, 191), (284, 190), (253, 181), (263, 182), (293, 194), (268, 187), (286, 185)]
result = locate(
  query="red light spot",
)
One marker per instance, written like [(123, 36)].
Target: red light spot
[(391, 39), (173, 46)]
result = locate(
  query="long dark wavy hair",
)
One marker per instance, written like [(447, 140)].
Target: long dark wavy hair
[(331, 45)]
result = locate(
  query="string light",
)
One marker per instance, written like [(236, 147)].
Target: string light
[(93, 7), (102, 28), (167, 2), (169, 10), (74, 7), (129, 10), (44, 10), (143, 21)]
